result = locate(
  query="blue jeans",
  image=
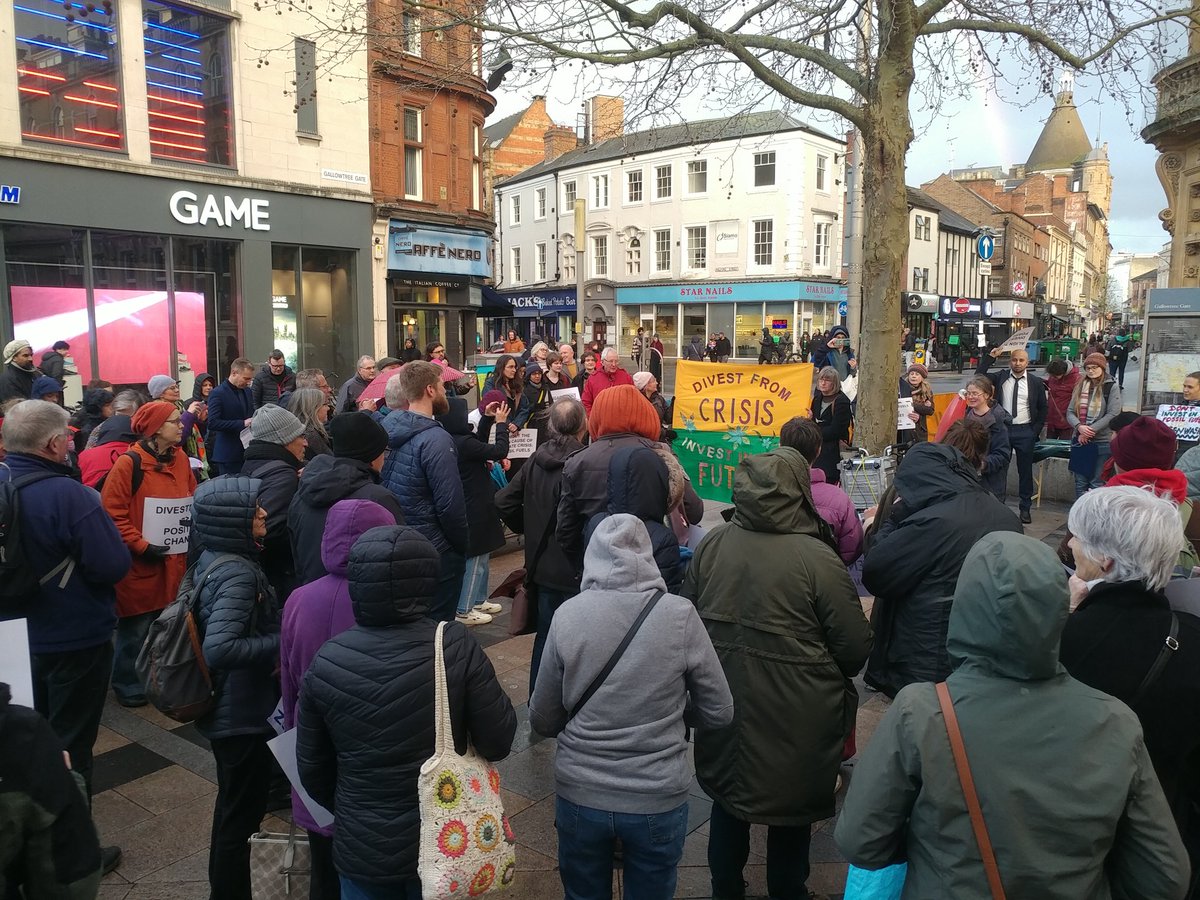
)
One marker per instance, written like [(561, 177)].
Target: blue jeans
[(548, 601), (131, 634), (653, 846), (1082, 482), (361, 890), (475, 582), (449, 587), (729, 849)]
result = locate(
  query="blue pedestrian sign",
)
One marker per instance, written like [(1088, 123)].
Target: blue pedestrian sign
[(985, 246), (843, 308)]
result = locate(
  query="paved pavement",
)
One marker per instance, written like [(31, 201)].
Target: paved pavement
[(155, 784)]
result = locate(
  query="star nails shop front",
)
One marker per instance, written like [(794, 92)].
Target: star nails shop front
[(144, 275)]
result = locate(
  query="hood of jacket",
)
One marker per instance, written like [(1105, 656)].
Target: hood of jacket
[(1010, 607), (455, 420), (199, 385), (271, 451), (393, 573), (95, 400), (327, 479), (348, 520), (1189, 465), (638, 484), (772, 493), (552, 455), (1171, 482), (620, 558), (402, 425), (223, 515), (115, 429), (933, 473)]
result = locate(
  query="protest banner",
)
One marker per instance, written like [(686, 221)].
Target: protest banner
[(521, 444), (1018, 340), (1183, 420), (168, 523), (904, 406), (571, 392)]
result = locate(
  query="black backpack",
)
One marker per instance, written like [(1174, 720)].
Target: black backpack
[(19, 583), (135, 480)]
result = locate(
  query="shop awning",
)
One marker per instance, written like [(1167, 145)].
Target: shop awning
[(494, 305)]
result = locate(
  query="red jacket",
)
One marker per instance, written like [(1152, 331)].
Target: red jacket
[(1058, 397), (601, 380), (151, 583)]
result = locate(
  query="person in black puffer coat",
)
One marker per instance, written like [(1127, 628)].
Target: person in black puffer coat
[(366, 725), (97, 406), (912, 566), (639, 484), (275, 457), (238, 617)]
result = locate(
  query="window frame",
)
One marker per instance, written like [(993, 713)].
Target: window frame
[(598, 181), (540, 260), (410, 31), (760, 167), (660, 184), (514, 255), (600, 261), (630, 176), (657, 232), (821, 180), (689, 232), (514, 209), (755, 261), (539, 204), (696, 168), (417, 146), (822, 250), (570, 195)]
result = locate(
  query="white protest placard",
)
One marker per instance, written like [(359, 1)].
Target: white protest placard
[(275, 719), (520, 445), (1018, 340), (572, 392), (904, 406), (168, 523), (284, 749), (1183, 420), (14, 660)]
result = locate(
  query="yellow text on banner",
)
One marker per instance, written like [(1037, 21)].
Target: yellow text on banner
[(755, 399)]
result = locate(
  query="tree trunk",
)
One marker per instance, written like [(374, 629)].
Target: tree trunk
[(886, 138)]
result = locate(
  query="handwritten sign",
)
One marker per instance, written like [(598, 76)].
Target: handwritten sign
[(572, 392), (753, 399), (1183, 420), (168, 523), (1018, 340), (520, 445), (904, 406)]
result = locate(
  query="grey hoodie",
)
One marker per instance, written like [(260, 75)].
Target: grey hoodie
[(626, 751)]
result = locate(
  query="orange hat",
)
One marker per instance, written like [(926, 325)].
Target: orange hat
[(623, 409), (151, 416)]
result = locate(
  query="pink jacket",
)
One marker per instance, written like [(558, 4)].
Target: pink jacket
[(836, 508)]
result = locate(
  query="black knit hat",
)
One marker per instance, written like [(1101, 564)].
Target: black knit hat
[(357, 436)]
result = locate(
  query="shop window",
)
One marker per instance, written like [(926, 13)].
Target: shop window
[(312, 292), (662, 250), (662, 182), (666, 324), (747, 329), (629, 319), (633, 186), (780, 318), (822, 172), (697, 247), (764, 169), (697, 176), (695, 323), (764, 242), (413, 152), (68, 74), (207, 312), (188, 96), (306, 86), (720, 318)]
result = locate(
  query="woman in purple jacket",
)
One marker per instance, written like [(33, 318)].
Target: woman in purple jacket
[(834, 504), (313, 614)]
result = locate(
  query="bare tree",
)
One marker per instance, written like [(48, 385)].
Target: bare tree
[(874, 64)]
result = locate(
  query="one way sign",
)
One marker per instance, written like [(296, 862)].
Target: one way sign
[(985, 246)]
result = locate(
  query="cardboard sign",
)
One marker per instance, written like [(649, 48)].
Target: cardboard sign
[(572, 392), (904, 406), (1183, 420), (284, 749), (168, 523), (520, 445), (1018, 340), (15, 668)]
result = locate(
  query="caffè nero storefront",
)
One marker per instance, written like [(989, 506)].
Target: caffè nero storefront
[(144, 275)]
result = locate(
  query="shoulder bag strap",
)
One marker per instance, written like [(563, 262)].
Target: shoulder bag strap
[(1170, 645), (442, 734), (978, 825), (617, 654)]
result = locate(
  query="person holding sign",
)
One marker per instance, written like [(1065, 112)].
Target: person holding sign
[(1023, 396), (148, 494), (1094, 403)]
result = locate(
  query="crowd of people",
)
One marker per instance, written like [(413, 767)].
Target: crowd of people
[(326, 534)]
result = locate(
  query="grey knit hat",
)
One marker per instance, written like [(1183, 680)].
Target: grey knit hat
[(158, 384), (275, 425)]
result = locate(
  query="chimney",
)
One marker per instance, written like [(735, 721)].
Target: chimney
[(606, 116), (559, 139)]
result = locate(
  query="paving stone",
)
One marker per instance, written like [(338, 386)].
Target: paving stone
[(529, 860), (160, 739), (167, 789), (116, 890), (112, 812), (513, 803), (699, 812), (534, 828), (184, 890), (516, 684), (189, 869), (530, 773), (107, 739), (125, 764), (511, 653), (164, 840)]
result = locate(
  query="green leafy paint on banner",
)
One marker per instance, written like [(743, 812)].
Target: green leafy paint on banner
[(710, 458)]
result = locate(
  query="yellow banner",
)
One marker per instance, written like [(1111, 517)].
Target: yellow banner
[(756, 400)]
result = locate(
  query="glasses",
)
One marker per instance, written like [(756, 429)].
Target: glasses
[(975, 393)]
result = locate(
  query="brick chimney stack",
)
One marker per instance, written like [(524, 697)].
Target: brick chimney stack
[(606, 116), (559, 139)]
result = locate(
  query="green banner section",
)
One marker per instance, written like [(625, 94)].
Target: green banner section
[(710, 458)]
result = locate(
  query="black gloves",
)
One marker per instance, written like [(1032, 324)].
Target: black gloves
[(156, 551)]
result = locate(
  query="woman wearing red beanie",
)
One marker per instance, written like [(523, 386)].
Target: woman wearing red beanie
[(153, 474)]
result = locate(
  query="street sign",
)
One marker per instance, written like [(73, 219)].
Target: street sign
[(962, 306), (985, 269), (985, 246), (843, 309)]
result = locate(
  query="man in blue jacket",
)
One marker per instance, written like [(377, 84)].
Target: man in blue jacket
[(67, 535), (422, 471), (230, 409)]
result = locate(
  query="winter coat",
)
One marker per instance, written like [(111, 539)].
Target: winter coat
[(1059, 391), (54, 365), (1101, 411), (1189, 465), (994, 474), (834, 422), (820, 353), (236, 610), (90, 416), (318, 444), (152, 582), (17, 383), (626, 751), (113, 437), (318, 611), (529, 505), (836, 508), (366, 719), (601, 381), (659, 402), (348, 393), (61, 519), (484, 531), (915, 559), (1064, 780), (790, 631), (519, 408), (228, 410), (1110, 642), (639, 484), (50, 843), (924, 410), (278, 470), (268, 387), (422, 471), (325, 481)]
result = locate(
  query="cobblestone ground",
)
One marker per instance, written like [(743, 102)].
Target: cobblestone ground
[(155, 783)]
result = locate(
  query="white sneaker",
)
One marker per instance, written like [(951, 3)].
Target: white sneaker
[(487, 606), (474, 617)]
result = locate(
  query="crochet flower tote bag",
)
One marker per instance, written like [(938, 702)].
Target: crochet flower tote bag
[(467, 847)]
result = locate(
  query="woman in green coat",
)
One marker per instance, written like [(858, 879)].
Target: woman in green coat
[(790, 632)]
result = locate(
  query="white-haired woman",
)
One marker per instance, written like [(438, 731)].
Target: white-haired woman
[(831, 410), (310, 406), (540, 353), (1126, 544)]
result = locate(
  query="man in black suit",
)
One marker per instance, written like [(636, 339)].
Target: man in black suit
[(1023, 394)]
